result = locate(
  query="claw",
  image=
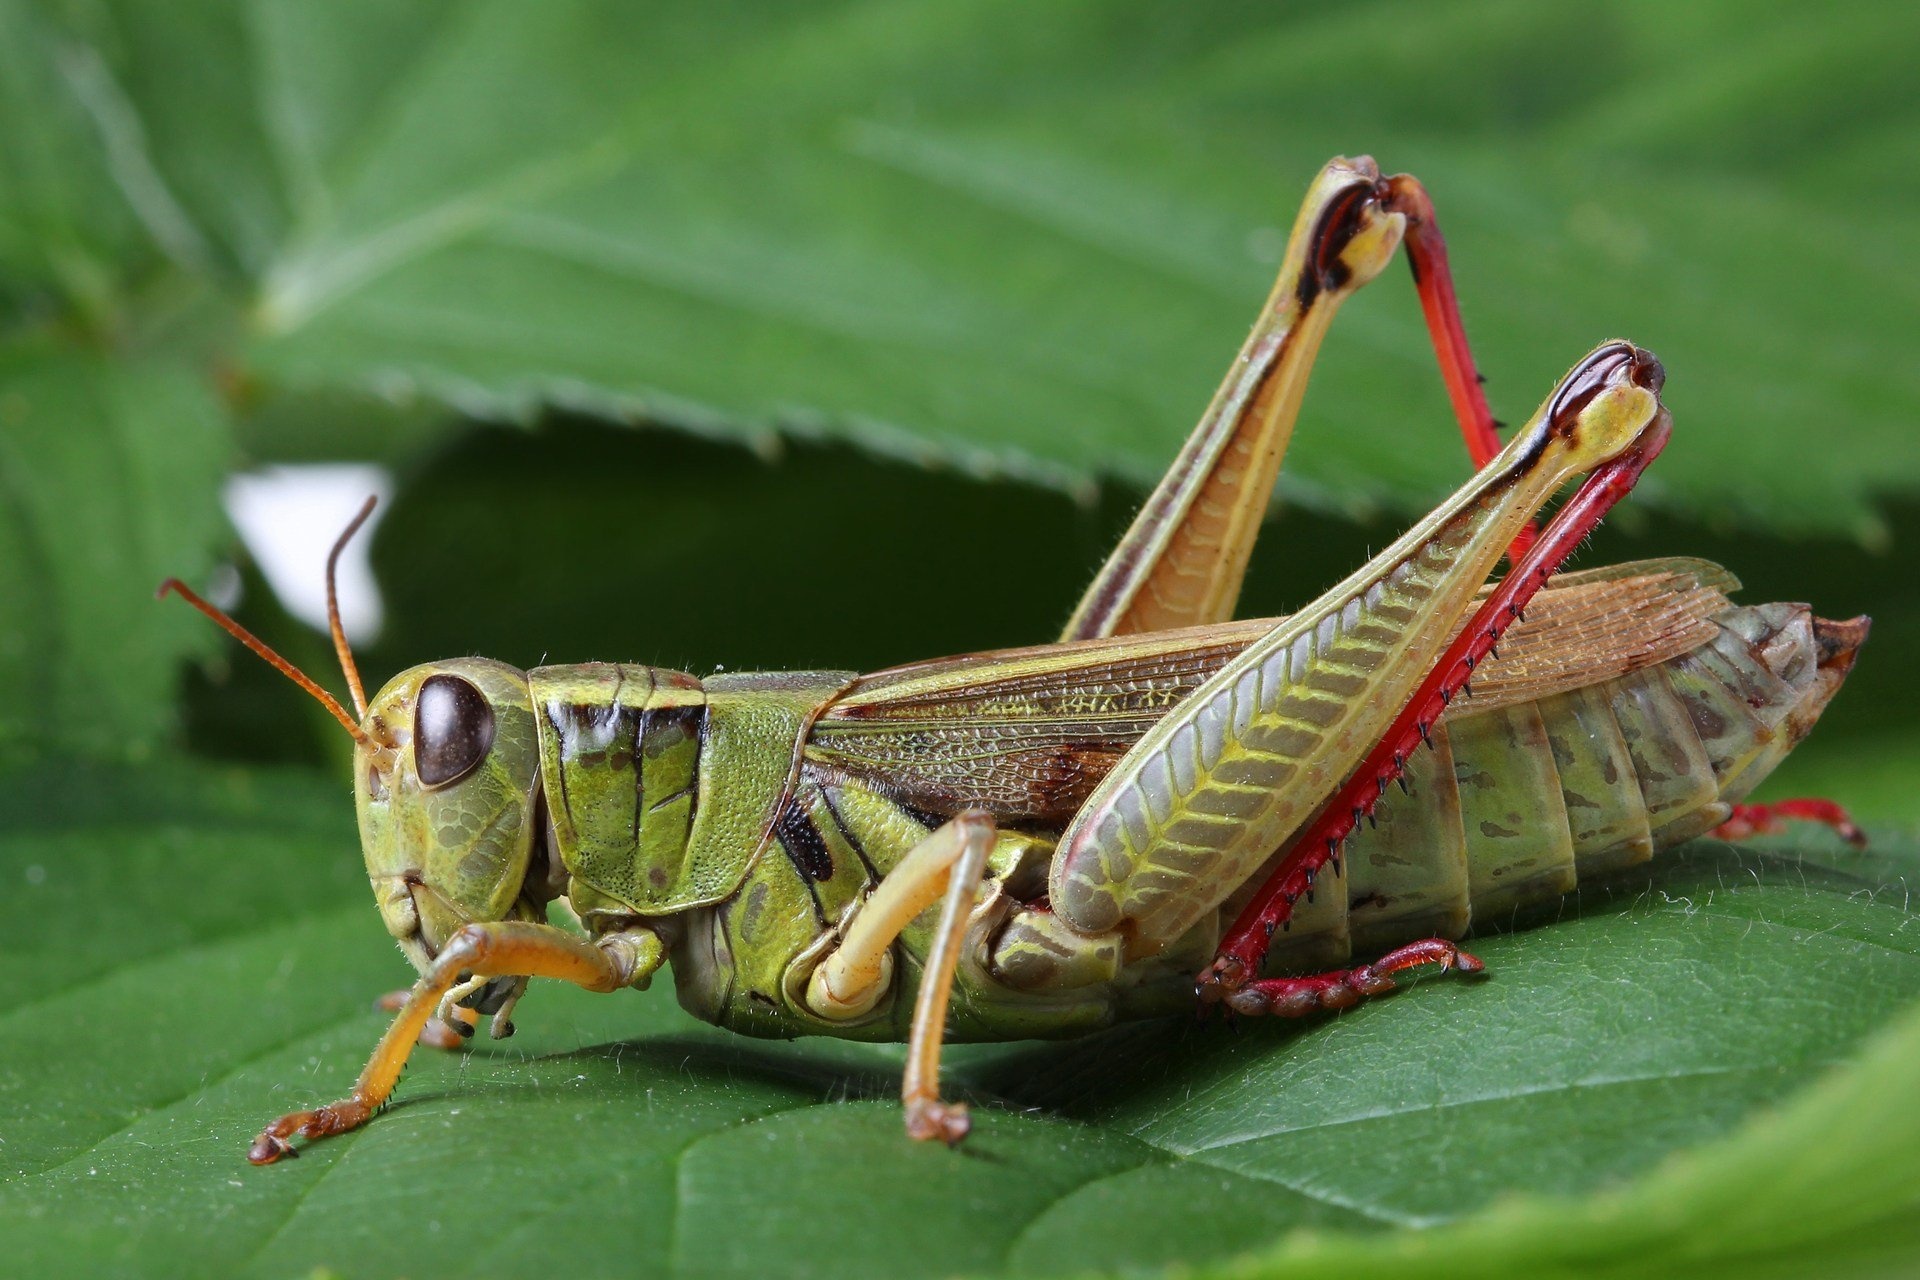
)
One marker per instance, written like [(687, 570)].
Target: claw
[(266, 1149), (1224, 975), (929, 1119), (339, 1117)]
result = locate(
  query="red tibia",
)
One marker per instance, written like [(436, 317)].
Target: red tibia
[(1344, 988), (1245, 945), (1427, 253), (1763, 819)]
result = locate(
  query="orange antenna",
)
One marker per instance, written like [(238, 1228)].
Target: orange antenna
[(340, 645), (259, 646)]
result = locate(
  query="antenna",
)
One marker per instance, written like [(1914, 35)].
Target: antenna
[(259, 646), (340, 645)]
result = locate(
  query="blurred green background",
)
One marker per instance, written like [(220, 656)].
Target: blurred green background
[(766, 335)]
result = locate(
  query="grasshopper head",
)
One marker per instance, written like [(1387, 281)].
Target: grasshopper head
[(447, 785)]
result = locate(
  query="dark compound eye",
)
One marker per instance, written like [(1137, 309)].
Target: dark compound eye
[(452, 730)]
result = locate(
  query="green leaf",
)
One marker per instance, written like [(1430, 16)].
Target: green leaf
[(67, 231), (212, 933), (1873, 771), (1028, 239), (1025, 240), (109, 481), (1784, 1197)]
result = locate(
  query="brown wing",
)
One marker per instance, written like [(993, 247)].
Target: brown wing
[(1029, 732)]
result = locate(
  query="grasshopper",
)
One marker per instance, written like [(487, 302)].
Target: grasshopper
[(1041, 841)]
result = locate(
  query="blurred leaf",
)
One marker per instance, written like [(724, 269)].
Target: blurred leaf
[(1872, 773), (231, 957), (109, 481), (1028, 239), (67, 232), (640, 546)]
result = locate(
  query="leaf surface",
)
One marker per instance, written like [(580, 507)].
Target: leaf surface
[(231, 957)]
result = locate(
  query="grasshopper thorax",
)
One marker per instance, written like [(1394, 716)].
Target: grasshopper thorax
[(447, 787)]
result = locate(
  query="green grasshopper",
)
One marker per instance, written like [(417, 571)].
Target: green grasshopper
[(1041, 841)]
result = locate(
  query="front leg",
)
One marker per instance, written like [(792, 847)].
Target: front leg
[(501, 949)]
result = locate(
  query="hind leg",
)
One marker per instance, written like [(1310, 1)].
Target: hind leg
[(1749, 820), (1247, 941), (1344, 988), (1242, 765), (1182, 561)]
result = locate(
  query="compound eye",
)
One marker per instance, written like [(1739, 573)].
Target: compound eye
[(452, 730)]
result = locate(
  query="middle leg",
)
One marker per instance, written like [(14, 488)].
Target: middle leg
[(852, 978)]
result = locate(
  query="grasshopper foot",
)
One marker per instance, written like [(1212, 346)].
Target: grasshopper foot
[(1219, 980), (340, 1117), (1224, 981), (1748, 820), (930, 1118)]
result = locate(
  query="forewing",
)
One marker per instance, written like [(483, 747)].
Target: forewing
[(1602, 623), (1029, 732)]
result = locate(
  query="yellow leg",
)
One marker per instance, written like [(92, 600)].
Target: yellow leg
[(851, 980), (505, 948), (927, 1116)]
